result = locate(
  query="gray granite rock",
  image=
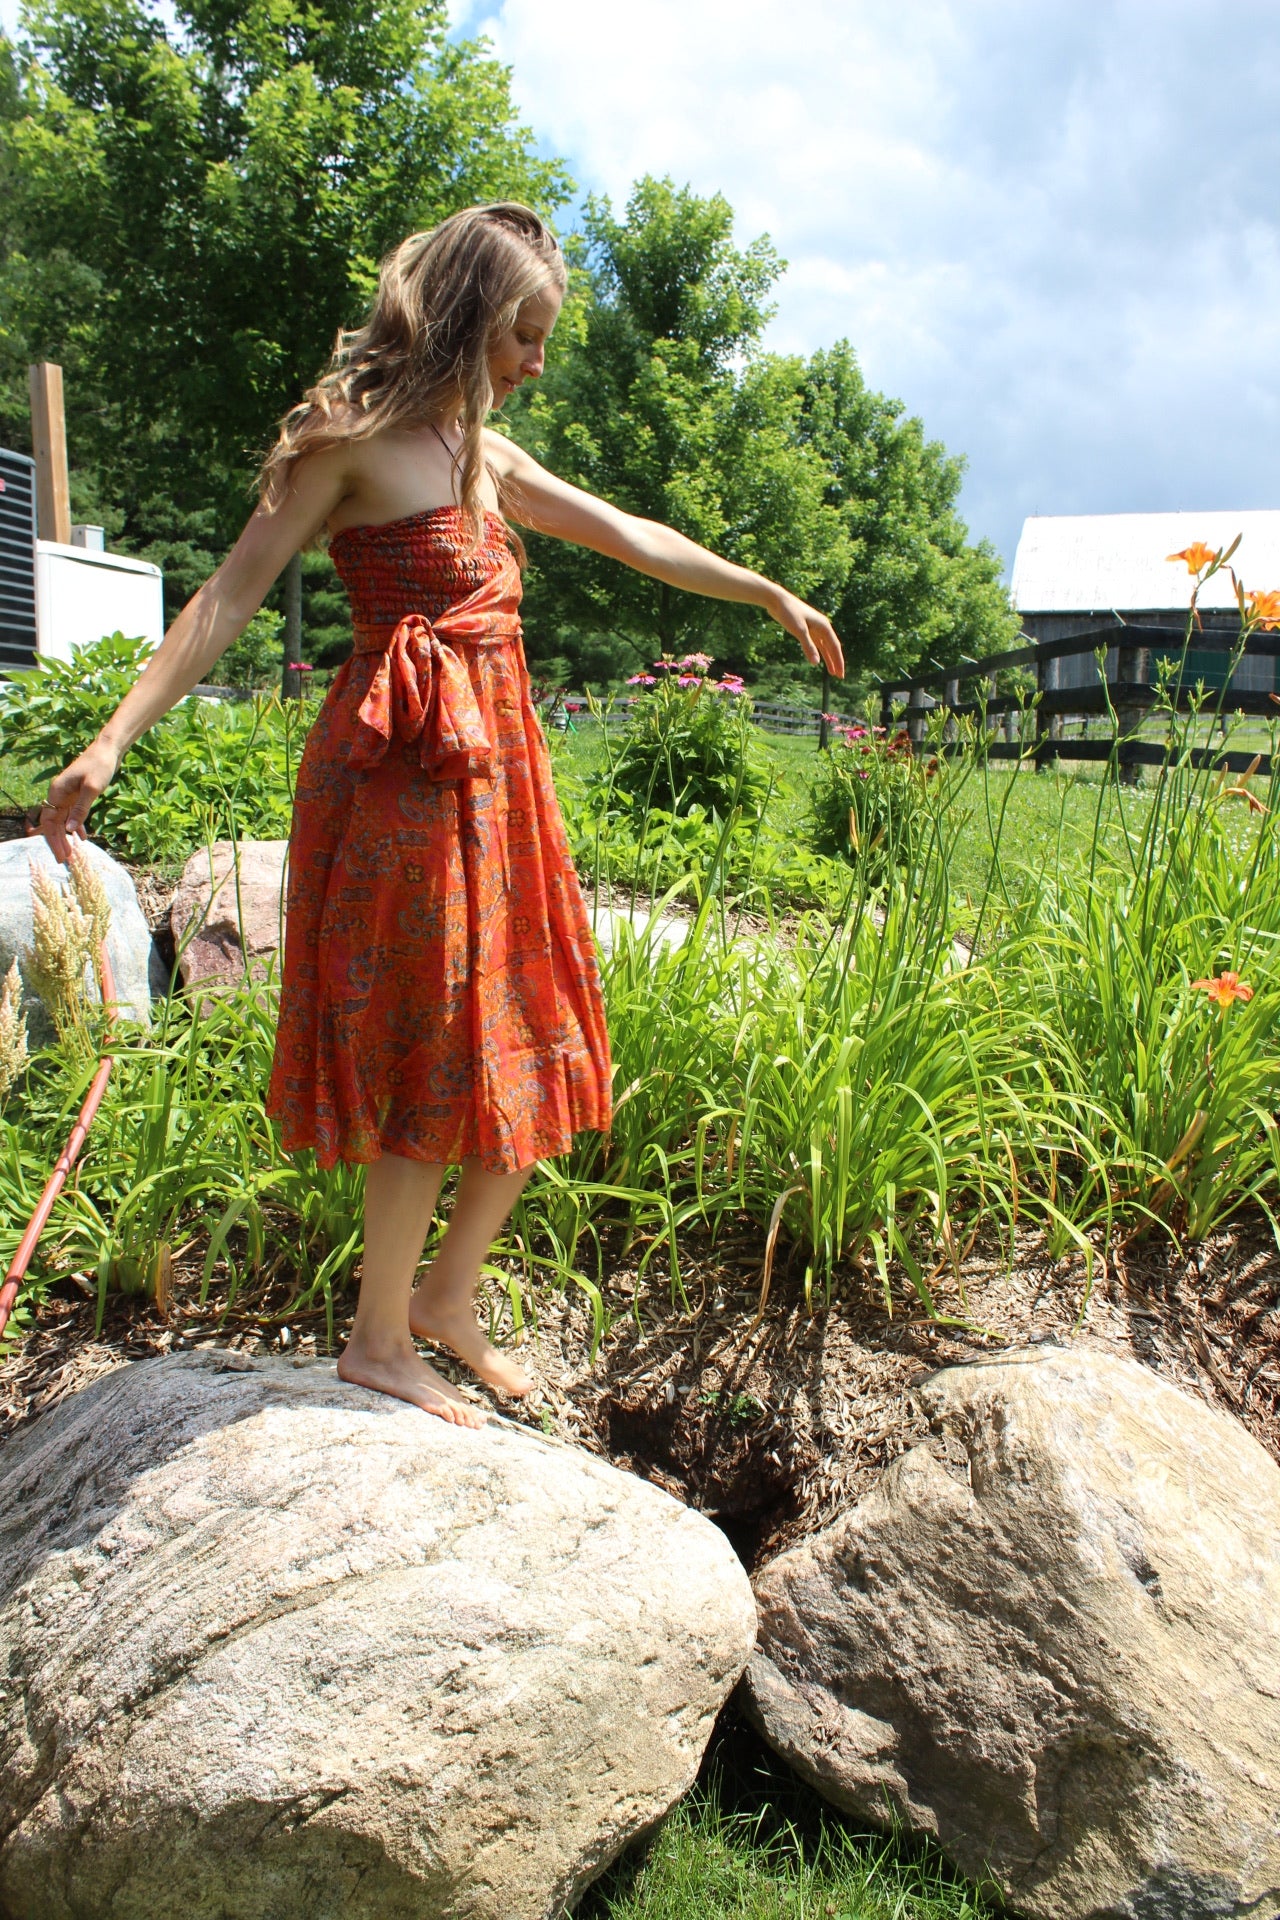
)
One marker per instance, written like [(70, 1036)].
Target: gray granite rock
[(273, 1646), (1052, 1644)]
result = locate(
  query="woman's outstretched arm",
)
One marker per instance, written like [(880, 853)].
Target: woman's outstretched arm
[(538, 500), (214, 616)]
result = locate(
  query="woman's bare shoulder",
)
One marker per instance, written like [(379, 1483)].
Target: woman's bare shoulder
[(502, 454)]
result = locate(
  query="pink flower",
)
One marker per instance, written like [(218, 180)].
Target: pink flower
[(688, 679), (696, 662), (641, 680), (855, 733)]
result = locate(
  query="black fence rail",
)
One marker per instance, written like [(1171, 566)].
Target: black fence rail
[(1023, 730)]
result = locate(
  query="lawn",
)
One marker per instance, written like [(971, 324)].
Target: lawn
[(1036, 818), (752, 1843)]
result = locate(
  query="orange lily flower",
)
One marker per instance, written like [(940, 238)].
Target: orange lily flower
[(1265, 609), (1241, 791), (1251, 800), (1196, 556), (1226, 988)]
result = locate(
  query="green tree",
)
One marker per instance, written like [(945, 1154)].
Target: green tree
[(916, 588), (662, 401), (191, 214)]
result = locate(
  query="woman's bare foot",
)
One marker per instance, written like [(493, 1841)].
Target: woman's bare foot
[(454, 1325), (401, 1372)]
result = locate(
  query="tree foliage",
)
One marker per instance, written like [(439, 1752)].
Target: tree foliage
[(664, 403), (192, 204), (916, 587), (192, 213)]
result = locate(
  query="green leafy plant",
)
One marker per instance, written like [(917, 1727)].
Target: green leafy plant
[(171, 792), (688, 742), (256, 658), (873, 799)]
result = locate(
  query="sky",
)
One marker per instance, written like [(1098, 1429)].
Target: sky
[(1049, 227)]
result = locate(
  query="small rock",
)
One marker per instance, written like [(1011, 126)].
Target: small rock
[(275, 1647), (224, 922), (662, 930), (1061, 1661), (129, 947)]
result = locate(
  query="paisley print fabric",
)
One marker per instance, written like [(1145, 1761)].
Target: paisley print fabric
[(441, 997)]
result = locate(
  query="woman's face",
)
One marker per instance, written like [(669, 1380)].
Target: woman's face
[(521, 351)]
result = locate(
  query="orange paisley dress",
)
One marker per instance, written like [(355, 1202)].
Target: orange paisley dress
[(441, 997)]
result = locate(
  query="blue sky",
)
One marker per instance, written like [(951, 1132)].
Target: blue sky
[(1048, 226)]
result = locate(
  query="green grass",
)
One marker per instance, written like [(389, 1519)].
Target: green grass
[(19, 787), (1045, 815), (752, 1843)]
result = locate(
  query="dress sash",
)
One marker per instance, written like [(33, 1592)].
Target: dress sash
[(422, 690)]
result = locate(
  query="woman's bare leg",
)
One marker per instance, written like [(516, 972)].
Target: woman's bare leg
[(443, 1304), (399, 1200)]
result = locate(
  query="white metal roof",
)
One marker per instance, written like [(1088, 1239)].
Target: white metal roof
[(1096, 562)]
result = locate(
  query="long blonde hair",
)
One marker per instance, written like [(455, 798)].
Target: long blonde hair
[(444, 298)]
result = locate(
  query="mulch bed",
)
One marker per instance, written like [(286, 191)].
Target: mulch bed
[(770, 1425)]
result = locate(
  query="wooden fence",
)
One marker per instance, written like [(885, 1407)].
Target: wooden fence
[(1038, 732)]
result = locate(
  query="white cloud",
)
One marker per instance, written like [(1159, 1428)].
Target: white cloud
[(1050, 230)]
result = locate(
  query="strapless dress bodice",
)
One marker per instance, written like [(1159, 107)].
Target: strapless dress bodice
[(423, 564)]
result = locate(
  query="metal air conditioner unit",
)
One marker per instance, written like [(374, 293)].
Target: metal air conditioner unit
[(17, 560)]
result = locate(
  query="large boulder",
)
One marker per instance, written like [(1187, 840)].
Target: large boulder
[(129, 947), (229, 909), (273, 1646), (1053, 1641)]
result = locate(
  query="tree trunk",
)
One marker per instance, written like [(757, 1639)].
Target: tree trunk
[(666, 618), (291, 680)]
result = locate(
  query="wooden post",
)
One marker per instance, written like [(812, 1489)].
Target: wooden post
[(991, 720), (886, 711), (915, 717), (1133, 668), (49, 446), (291, 680), (1050, 725), (952, 694)]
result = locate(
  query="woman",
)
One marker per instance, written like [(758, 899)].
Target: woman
[(440, 998)]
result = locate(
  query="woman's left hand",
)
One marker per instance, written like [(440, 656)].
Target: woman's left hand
[(818, 640)]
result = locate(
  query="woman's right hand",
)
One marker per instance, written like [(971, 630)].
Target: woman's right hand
[(71, 794)]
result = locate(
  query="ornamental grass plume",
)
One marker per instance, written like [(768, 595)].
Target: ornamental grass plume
[(68, 927), (13, 1030)]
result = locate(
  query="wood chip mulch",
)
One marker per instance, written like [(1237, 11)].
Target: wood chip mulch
[(770, 1425)]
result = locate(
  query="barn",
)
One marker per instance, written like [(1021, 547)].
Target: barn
[(1076, 572)]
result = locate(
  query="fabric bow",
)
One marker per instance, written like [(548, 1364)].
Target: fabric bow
[(422, 690)]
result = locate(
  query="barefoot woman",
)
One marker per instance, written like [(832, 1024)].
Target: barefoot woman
[(440, 1000)]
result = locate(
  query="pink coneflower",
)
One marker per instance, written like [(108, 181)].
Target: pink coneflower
[(688, 679), (642, 680), (696, 662)]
